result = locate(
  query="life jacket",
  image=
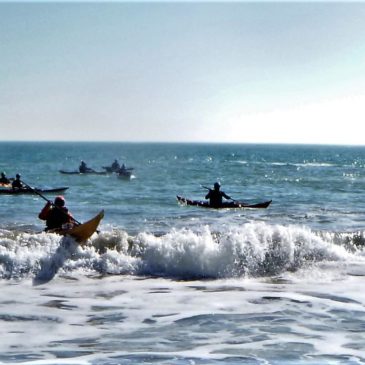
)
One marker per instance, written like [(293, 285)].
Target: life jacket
[(56, 217), (17, 184)]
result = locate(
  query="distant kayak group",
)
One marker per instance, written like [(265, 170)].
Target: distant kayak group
[(121, 170), (14, 186)]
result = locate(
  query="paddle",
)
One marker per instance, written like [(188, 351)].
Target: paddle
[(47, 200)]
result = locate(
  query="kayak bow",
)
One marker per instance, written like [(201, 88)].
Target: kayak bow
[(84, 231)]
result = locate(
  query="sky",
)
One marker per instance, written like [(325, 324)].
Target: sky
[(222, 72)]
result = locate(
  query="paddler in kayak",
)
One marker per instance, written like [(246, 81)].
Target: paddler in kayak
[(3, 179), (17, 183), (84, 168), (115, 166), (216, 196), (56, 214)]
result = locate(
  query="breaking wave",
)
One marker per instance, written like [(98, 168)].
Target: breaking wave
[(251, 250)]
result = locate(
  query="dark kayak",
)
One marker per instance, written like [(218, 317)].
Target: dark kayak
[(83, 173), (32, 191), (110, 169), (124, 175), (231, 204), (117, 170)]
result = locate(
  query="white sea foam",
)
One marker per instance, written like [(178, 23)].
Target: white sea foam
[(127, 320), (253, 250), (279, 293)]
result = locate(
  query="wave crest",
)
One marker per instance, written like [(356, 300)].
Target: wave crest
[(253, 249)]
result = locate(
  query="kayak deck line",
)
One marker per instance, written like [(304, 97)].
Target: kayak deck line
[(83, 173), (233, 204)]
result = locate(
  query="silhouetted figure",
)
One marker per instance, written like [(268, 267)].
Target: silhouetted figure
[(216, 196)]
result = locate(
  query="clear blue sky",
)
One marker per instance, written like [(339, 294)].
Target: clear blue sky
[(206, 72)]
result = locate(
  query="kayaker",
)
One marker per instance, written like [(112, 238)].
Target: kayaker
[(83, 168), (4, 179), (17, 184), (115, 166), (216, 196), (56, 214)]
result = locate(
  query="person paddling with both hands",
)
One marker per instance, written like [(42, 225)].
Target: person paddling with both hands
[(216, 196), (56, 215)]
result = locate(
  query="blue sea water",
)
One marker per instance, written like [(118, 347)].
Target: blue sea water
[(317, 186), (173, 284)]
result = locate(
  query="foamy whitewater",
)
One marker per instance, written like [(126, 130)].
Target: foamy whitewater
[(163, 283)]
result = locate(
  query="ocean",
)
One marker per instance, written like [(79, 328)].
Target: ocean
[(165, 283)]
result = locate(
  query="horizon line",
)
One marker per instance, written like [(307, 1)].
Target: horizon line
[(189, 142)]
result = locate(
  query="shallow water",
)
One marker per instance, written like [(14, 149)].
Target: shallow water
[(130, 320)]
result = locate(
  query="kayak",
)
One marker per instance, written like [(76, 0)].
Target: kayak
[(32, 191), (231, 204), (110, 169), (5, 185), (118, 170), (124, 174), (83, 173), (84, 231)]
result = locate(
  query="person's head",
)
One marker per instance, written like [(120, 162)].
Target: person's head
[(217, 186), (3, 174), (59, 201), (18, 176)]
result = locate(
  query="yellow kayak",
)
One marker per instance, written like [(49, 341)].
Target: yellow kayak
[(85, 230)]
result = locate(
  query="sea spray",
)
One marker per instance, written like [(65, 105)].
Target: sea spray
[(20, 253), (254, 249), (49, 266)]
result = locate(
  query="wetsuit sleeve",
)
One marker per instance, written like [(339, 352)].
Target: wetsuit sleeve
[(226, 196), (44, 212)]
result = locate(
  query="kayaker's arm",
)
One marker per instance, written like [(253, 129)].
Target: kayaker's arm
[(209, 191), (47, 207), (209, 194), (44, 212)]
